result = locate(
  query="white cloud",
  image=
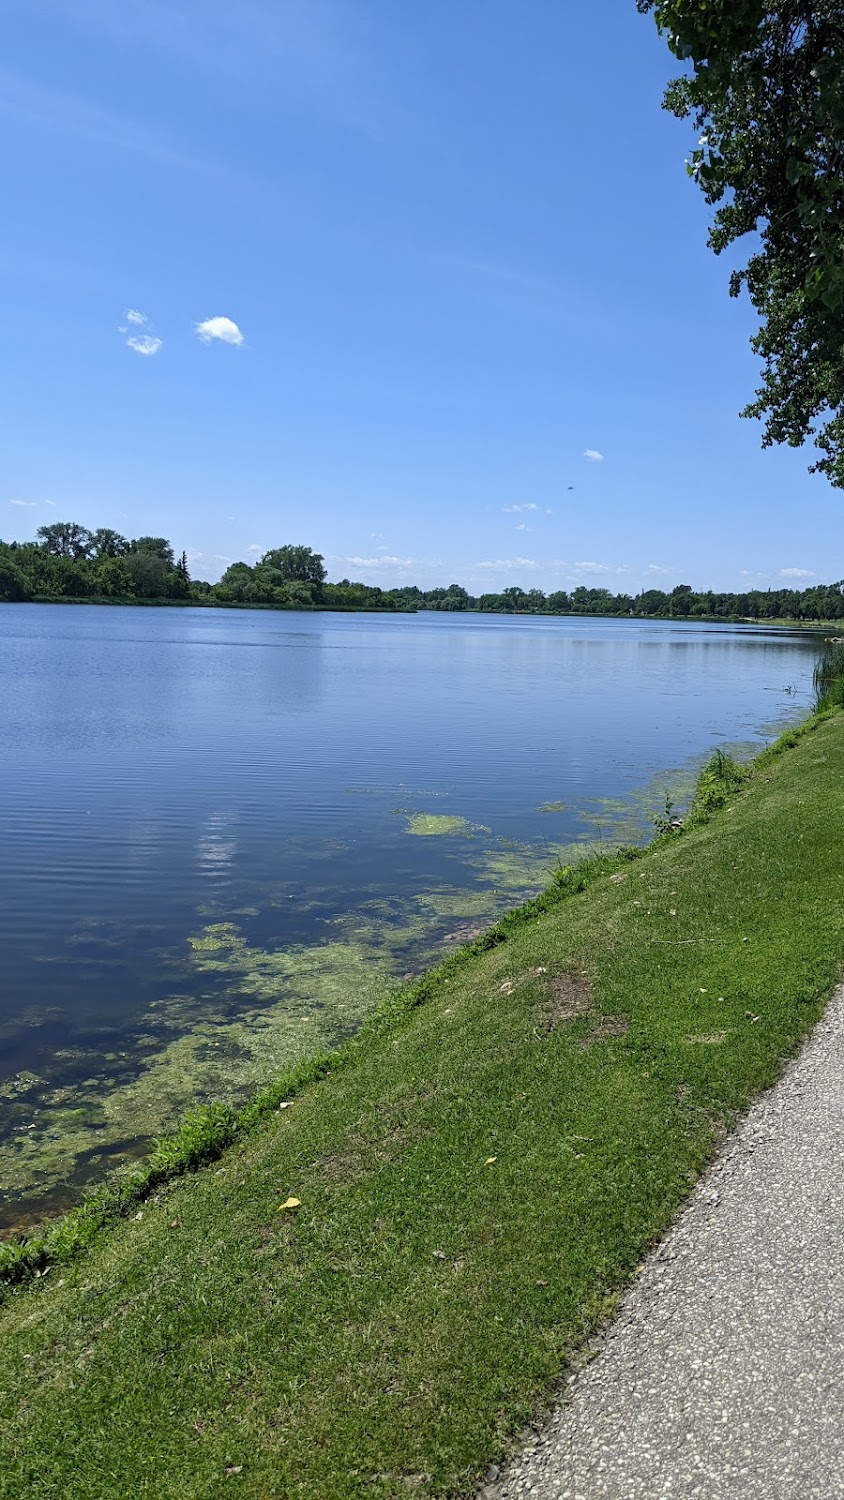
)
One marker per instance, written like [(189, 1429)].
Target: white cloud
[(507, 564), (655, 568), (208, 565), (797, 573), (511, 510), (222, 329), (522, 527), (593, 456), (23, 502), (50, 502), (576, 570), (253, 547), (144, 343), (381, 562)]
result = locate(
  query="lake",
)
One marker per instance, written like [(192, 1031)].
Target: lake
[(227, 833)]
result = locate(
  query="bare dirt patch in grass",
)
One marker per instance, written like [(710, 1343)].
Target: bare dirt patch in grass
[(569, 998), (605, 1028)]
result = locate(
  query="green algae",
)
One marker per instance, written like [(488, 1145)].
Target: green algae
[(450, 901), (520, 870), (248, 1012), (310, 999), (261, 1012), (430, 825)]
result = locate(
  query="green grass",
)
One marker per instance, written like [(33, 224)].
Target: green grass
[(479, 1176)]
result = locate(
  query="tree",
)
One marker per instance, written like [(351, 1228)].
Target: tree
[(112, 578), (680, 602), (295, 564), (766, 97), (13, 584), (107, 543), (454, 597), (156, 546), (238, 583), (65, 539), (514, 598), (294, 595), (535, 601), (559, 602), (148, 574)]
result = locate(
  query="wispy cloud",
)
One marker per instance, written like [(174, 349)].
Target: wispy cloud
[(50, 502), (491, 270), (310, 54), (522, 527), (23, 502), (382, 561), (797, 573), (512, 510), (581, 569), (254, 547), (222, 329), (208, 565), (142, 343), (593, 456), (64, 113), (657, 568), (507, 564)]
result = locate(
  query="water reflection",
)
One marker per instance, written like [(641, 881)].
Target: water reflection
[(226, 834)]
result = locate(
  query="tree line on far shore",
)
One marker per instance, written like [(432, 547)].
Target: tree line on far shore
[(70, 562)]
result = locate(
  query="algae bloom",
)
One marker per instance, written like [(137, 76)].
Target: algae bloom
[(427, 825)]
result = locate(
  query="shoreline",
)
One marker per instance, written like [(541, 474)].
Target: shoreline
[(445, 1212), (751, 621)]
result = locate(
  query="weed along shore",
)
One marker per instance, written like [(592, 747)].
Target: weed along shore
[(367, 1282)]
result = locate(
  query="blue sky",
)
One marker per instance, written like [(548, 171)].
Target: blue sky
[(482, 338)]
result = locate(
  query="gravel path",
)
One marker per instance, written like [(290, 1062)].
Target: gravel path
[(723, 1377)]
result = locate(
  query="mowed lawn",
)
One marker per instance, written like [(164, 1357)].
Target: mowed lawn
[(475, 1187)]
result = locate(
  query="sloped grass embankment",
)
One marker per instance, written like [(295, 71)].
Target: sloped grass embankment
[(477, 1178)]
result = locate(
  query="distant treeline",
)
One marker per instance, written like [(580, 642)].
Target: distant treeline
[(70, 562)]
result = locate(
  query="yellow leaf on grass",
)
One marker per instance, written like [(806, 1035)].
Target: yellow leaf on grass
[(289, 1203), (489, 1161)]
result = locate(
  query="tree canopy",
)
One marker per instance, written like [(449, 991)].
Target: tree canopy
[(72, 563), (295, 564), (765, 93)]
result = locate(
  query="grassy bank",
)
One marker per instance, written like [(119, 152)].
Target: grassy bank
[(374, 1287)]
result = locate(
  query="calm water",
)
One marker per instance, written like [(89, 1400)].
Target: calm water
[(225, 833)]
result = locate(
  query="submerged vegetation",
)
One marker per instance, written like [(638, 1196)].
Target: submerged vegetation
[(248, 1011), (405, 1241), (71, 563)]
